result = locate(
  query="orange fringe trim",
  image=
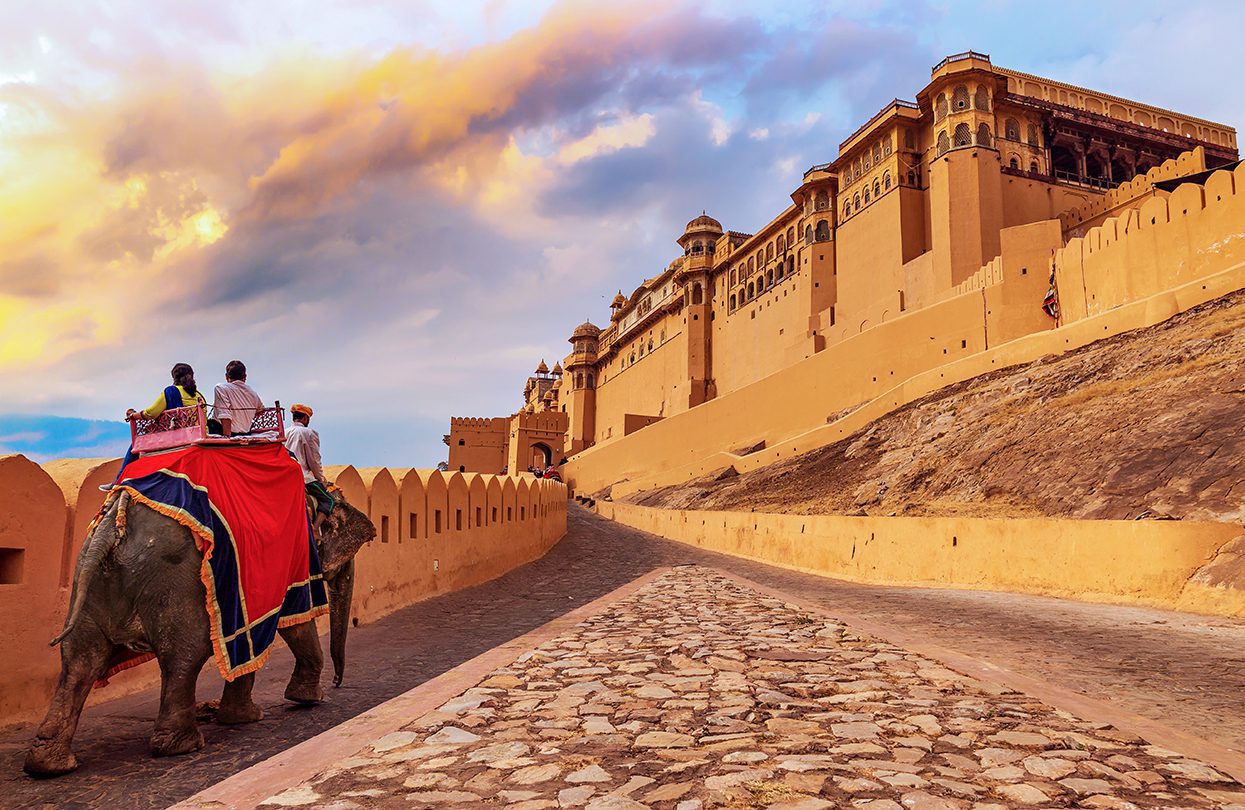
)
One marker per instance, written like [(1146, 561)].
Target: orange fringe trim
[(206, 544)]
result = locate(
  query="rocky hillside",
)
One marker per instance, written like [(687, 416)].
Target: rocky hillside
[(1144, 425)]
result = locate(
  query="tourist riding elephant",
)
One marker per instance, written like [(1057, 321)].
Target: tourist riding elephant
[(137, 587)]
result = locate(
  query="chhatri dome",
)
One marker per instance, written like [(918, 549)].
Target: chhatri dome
[(585, 330), (620, 300), (703, 223), (542, 368), (557, 369)]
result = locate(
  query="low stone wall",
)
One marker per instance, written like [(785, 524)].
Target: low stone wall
[(1156, 563), (435, 533)]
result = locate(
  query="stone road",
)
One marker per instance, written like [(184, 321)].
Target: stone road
[(698, 692), (1186, 671)]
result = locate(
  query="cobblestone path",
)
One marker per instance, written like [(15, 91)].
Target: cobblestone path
[(697, 692), (1186, 671)]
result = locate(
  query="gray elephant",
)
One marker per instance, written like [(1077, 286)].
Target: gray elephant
[(137, 586)]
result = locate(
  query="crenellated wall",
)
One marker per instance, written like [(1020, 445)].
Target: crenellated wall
[(1077, 220), (435, 532)]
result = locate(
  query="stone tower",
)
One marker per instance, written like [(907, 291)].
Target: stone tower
[(698, 241), (581, 399)]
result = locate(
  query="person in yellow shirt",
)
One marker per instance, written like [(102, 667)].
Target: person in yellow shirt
[(182, 393)]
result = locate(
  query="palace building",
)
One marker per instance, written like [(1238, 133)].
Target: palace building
[(974, 185)]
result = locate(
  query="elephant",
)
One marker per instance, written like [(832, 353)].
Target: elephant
[(137, 586)]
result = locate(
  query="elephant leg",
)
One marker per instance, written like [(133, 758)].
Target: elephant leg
[(236, 705), (176, 731), (84, 658), (341, 590), (304, 642)]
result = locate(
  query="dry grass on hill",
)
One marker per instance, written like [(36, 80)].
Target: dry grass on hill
[(1145, 424)]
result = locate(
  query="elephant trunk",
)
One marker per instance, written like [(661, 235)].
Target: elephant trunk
[(107, 535), (341, 589)]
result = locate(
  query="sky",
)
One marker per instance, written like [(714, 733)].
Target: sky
[(393, 210)]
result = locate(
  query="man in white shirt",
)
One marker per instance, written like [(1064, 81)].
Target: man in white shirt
[(304, 443), (234, 403)]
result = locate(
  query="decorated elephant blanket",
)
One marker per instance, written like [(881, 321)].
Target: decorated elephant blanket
[(245, 507)]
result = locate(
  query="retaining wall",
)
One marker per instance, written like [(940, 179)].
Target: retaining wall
[(436, 532), (1156, 563)]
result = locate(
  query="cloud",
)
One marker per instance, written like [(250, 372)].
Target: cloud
[(393, 210)]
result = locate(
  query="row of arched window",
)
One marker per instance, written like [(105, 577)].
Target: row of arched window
[(775, 249), (761, 283), (697, 248), (879, 186), (585, 381), (963, 137), (871, 156), (961, 101), (1011, 131)]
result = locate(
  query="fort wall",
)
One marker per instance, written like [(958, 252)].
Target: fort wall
[(1156, 563), (1133, 271), (436, 533)]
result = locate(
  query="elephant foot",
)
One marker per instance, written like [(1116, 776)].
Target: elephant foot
[(48, 759), (173, 742), (235, 715), (305, 693)]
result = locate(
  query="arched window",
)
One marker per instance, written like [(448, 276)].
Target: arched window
[(732, 276), (1033, 135), (769, 252), (1015, 162), (877, 152), (697, 248), (823, 230), (698, 294), (940, 107), (769, 278), (1033, 166), (959, 98), (981, 100), (911, 178), (641, 349), (886, 180), (791, 236), (886, 145), (847, 210), (732, 302), (750, 265), (650, 344), (822, 201), (782, 243), (462, 442), (633, 358), (790, 265), (760, 258), (866, 195), (963, 135), (781, 266), (983, 135), (856, 201), (943, 143), (592, 383), (1011, 129), (808, 234), (751, 290), (579, 380), (877, 188)]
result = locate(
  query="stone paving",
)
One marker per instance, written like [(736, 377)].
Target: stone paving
[(697, 692), (1186, 671)]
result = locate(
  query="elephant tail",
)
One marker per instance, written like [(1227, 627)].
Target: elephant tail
[(107, 535), (341, 589)]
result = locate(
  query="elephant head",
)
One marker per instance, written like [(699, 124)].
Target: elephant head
[(342, 535)]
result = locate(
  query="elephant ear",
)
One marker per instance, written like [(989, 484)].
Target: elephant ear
[(344, 534)]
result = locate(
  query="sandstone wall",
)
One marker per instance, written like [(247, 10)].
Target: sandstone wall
[(436, 532), (1135, 270), (1157, 563)]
